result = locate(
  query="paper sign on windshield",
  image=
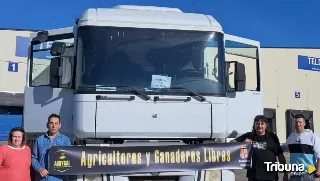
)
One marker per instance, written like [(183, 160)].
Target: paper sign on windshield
[(159, 81)]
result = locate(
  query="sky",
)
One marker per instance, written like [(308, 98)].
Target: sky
[(275, 23)]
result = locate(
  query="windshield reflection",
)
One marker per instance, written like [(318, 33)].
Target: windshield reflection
[(150, 59)]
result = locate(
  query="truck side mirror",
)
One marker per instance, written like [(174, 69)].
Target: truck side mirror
[(57, 48), (240, 77), (41, 37), (237, 76), (56, 51)]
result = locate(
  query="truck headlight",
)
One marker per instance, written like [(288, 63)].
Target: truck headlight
[(97, 177)]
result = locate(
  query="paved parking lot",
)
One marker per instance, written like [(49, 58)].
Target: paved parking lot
[(241, 175)]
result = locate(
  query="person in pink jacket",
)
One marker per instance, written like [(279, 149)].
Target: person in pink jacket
[(15, 157)]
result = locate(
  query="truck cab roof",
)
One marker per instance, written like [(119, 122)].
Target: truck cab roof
[(148, 17)]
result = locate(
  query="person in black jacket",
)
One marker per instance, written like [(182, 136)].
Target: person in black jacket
[(266, 147)]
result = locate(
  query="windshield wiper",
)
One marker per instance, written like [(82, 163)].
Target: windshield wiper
[(131, 89), (189, 92), (136, 91)]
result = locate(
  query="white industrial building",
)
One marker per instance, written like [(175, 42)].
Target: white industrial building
[(13, 65), (289, 75)]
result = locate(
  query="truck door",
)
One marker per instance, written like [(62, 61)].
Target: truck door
[(290, 121), (39, 96), (243, 106)]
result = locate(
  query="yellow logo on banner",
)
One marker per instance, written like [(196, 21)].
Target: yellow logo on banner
[(311, 169), (61, 164)]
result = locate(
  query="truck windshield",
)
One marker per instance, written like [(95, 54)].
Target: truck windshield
[(154, 61)]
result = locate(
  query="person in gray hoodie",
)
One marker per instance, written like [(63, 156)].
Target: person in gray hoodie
[(304, 148)]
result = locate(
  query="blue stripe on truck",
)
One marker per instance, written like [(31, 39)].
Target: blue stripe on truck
[(7, 122)]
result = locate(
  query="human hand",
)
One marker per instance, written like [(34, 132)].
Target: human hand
[(248, 140), (43, 172)]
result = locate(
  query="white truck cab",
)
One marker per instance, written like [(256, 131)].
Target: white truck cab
[(141, 75)]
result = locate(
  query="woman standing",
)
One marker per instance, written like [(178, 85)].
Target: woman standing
[(15, 157)]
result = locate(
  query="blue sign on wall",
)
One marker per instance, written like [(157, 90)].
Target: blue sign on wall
[(297, 95), (22, 45), (13, 67), (308, 63)]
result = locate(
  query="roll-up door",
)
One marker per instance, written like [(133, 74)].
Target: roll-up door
[(270, 114)]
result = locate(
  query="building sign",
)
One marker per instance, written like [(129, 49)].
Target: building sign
[(13, 67), (76, 160), (308, 63)]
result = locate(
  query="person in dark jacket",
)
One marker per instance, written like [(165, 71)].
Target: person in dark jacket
[(266, 147)]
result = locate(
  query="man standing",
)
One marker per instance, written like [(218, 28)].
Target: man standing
[(42, 145), (304, 148), (266, 147)]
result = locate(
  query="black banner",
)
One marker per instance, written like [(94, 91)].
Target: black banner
[(79, 160)]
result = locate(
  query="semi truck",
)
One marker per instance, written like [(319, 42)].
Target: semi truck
[(143, 75)]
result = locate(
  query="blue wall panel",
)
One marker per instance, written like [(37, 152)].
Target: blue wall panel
[(7, 122)]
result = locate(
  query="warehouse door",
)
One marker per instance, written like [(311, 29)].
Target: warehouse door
[(290, 121), (270, 114), (10, 117)]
